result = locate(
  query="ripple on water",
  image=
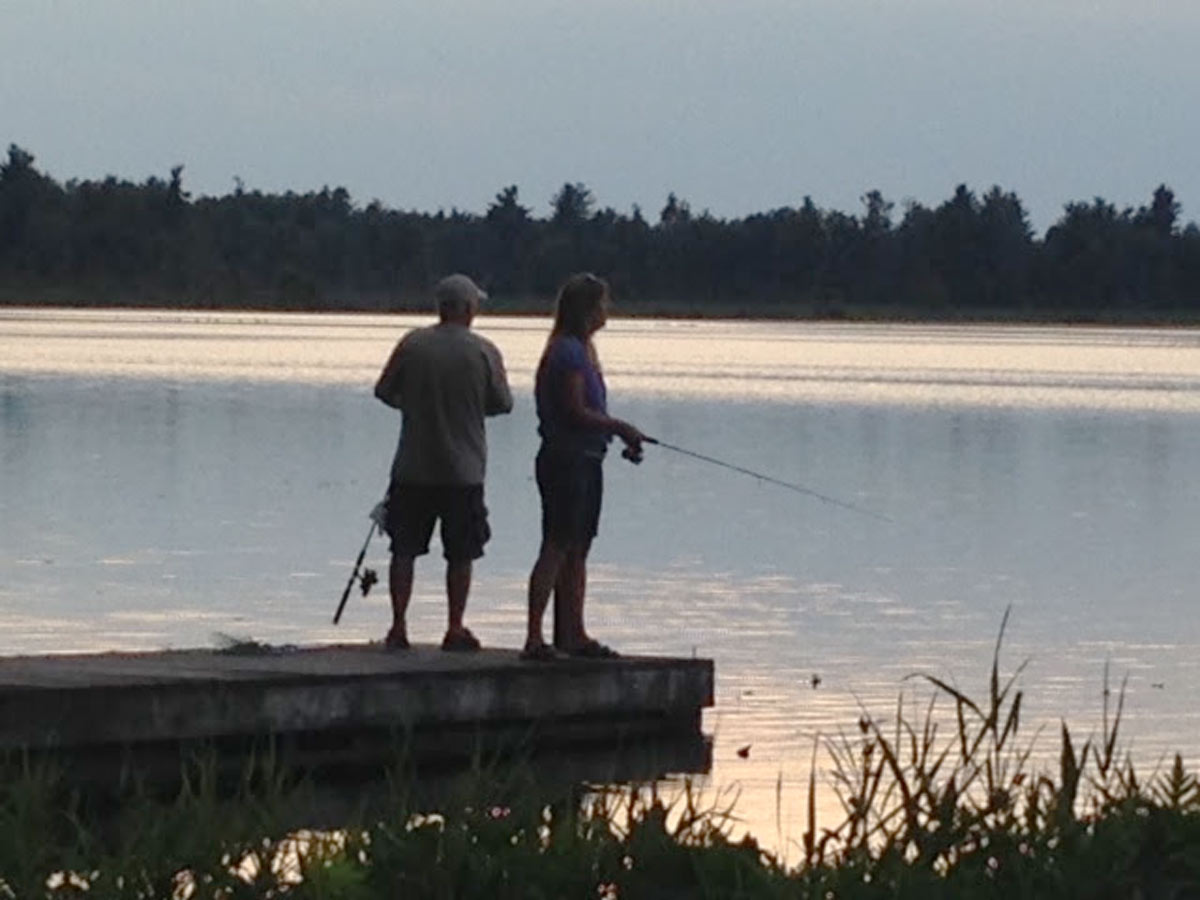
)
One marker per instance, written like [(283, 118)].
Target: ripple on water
[(228, 462)]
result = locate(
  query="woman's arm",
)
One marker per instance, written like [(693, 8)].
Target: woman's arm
[(586, 417)]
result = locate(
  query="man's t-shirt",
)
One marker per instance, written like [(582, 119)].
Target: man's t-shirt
[(444, 379), (565, 355)]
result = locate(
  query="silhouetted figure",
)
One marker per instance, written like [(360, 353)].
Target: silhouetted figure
[(445, 379), (573, 421)]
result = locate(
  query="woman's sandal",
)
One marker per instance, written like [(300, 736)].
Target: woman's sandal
[(593, 649), (539, 653)]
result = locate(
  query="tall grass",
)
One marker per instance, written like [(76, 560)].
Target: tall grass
[(966, 811), (939, 800)]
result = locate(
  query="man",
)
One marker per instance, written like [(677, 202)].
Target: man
[(445, 379)]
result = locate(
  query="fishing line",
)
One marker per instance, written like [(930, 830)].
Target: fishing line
[(761, 477)]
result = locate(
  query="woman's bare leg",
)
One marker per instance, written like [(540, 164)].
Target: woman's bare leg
[(569, 592), (541, 582)]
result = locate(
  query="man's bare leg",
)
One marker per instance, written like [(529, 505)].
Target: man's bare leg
[(400, 584), (458, 585)]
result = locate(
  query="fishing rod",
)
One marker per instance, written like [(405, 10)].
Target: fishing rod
[(761, 477), (368, 577)]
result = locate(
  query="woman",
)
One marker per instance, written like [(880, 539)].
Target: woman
[(576, 428)]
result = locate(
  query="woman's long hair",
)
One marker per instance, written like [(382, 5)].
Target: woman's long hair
[(578, 298)]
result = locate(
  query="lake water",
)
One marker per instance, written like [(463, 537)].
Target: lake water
[(165, 478)]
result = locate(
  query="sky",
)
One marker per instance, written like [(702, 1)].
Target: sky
[(736, 106)]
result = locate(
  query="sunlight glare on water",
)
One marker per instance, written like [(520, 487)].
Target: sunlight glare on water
[(167, 477), (791, 362)]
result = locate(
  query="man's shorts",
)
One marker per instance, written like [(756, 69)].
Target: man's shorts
[(412, 510), (572, 486)]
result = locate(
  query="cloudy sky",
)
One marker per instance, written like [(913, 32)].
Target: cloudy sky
[(735, 105)]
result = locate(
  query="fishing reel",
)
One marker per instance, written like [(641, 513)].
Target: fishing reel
[(367, 580), (633, 454)]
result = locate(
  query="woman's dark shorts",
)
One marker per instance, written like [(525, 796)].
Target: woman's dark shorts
[(571, 485), (412, 510)]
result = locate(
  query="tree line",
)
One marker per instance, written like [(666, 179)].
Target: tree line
[(117, 242)]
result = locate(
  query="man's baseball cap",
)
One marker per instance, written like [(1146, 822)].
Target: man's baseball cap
[(458, 289)]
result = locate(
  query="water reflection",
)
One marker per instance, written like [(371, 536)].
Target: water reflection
[(166, 477), (1006, 366)]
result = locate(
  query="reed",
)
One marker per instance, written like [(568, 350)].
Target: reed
[(940, 799), (965, 812)]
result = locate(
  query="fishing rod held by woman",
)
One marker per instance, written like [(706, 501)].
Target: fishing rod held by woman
[(575, 427)]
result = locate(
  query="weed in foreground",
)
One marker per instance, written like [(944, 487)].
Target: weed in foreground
[(929, 811), (967, 810)]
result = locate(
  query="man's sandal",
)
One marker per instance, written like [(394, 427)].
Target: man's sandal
[(460, 642), (593, 649), (395, 641), (539, 653)]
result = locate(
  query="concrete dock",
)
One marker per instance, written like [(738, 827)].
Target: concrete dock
[(333, 701)]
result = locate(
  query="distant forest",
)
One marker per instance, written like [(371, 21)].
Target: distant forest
[(120, 243)]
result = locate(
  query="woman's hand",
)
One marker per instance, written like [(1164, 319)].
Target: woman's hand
[(633, 439), (628, 433)]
